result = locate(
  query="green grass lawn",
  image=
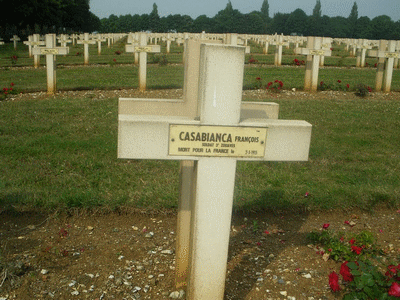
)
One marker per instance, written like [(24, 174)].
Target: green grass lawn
[(57, 152)]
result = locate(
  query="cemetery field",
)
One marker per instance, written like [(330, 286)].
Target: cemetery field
[(61, 152), (167, 77), (76, 222)]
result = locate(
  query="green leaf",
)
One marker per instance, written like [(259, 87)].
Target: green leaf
[(353, 266), (355, 272)]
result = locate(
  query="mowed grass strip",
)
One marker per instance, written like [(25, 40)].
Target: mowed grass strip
[(171, 76), (62, 153)]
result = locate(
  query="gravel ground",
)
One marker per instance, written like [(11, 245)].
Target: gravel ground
[(256, 95), (132, 255)]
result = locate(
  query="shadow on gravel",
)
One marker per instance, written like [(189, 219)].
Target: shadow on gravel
[(256, 240)]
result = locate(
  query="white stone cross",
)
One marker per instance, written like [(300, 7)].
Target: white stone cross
[(266, 44), (326, 45), (64, 40), (362, 47), (99, 39), (278, 50), (314, 53), (142, 48), (33, 42), (396, 60), (15, 39), (188, 107), (50, 51), (86, 41), (169, 39), (384, 72), (133, 40), (215, 140), (233, 40)]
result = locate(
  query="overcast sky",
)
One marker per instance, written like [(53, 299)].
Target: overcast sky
[(195, 8)]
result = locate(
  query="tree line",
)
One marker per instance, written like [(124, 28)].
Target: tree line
[(23, 17), (259, 22)]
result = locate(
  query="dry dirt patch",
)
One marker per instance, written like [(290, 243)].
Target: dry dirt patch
[(132, 255)]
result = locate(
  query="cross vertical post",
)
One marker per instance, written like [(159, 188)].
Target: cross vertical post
[(220, 86)]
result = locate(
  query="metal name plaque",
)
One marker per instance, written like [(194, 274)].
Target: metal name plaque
[(317, 52), (392, 55), (49, 51), (217, 141), (143, 49)]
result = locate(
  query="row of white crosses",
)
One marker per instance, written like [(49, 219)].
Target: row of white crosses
[(209, 131), (14, 39), (140, 48)]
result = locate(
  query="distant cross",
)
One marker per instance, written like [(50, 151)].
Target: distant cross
[(15, 39), (50, 51), (386, 58), (33, 42), (314, 53), (279, 43), (142, 49), (99, 39), (86, 42), (362, 48)]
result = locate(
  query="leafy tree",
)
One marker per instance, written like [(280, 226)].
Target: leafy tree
[(265, 10), (228, 20), (178, 23), (278, 24), (154, 19), (203, 23), (297, 22), (363, 28), (336, 27), (316, 20), (317, 11), (252, 23), (382, 28), (352, 21)]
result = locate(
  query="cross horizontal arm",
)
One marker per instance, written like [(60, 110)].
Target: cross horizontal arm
[(305, 51), (148, 137)]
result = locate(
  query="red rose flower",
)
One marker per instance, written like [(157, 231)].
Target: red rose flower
[(356, 249), (345, 272), (339, 81), (352, 241), (394, 290), (325, 226), (334, 282), (258, 78), (348, 86), (12, 84)]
